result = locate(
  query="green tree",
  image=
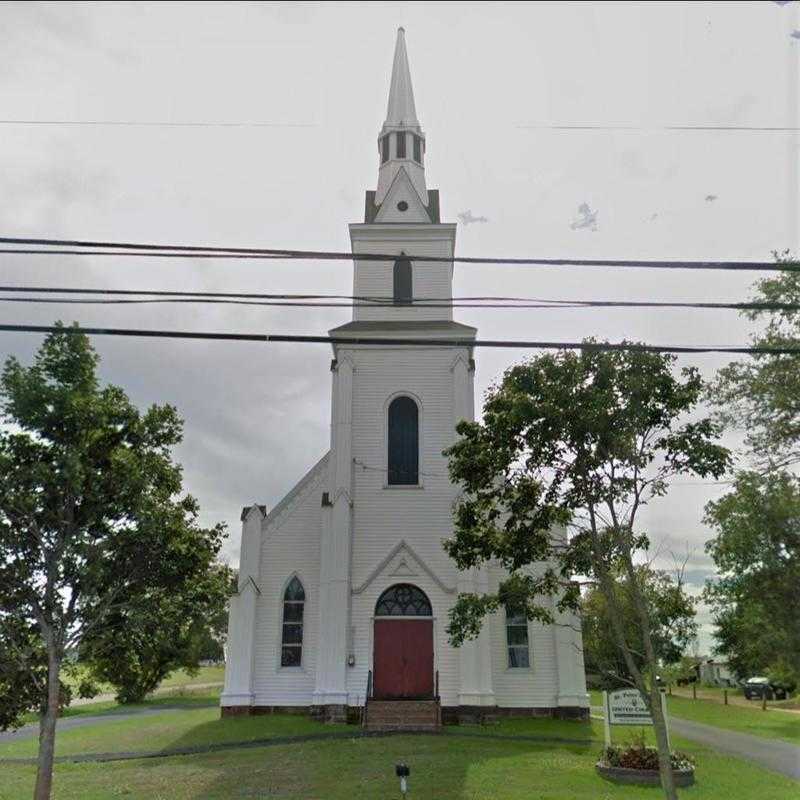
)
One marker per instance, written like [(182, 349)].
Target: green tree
[(90, 510), (584, 438), (672, 619), (762, 395), (755, 599), (756, 549), (169, 627)]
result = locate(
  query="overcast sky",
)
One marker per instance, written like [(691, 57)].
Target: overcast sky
[(488, 79)]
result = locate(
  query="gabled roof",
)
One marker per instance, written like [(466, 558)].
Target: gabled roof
[(402, 189), (403, 546), (297, 489)]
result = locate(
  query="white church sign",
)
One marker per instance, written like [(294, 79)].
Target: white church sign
[(626, 707)]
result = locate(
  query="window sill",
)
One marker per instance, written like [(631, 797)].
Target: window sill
[(402, 486), (290, 669)]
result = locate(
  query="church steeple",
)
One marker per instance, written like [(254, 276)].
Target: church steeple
[(401, 110), (401, 142)]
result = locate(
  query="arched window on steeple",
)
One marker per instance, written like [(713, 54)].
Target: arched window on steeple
[(385, 149), (403, 289), (403, 456)]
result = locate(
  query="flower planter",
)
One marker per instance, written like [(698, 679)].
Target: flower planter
[(643, 777)]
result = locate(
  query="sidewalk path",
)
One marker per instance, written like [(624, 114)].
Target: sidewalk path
[(773, 754), (122, 712), (65, 723)]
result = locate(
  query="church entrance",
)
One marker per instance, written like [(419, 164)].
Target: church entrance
[(402, 661)]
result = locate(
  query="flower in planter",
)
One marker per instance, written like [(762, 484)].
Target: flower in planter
[(641, 756)]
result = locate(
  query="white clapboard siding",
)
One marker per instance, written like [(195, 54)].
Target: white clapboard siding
[(523, 688), (430, 279), (290, 545)]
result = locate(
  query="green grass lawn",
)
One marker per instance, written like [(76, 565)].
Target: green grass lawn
[(446, 767), (215, 674), (770, 724), (198, 723)]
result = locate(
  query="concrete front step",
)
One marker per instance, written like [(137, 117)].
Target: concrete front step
[(393, 715)]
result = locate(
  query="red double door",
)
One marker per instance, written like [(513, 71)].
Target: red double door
[(403, 659)]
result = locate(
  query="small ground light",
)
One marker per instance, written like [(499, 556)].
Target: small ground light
[(402, 771)]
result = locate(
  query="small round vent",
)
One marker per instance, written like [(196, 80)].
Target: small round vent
[(402, 206)]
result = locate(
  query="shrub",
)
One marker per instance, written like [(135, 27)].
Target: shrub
[(638, 755)]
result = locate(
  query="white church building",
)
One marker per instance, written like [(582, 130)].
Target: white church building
[(344, 586)]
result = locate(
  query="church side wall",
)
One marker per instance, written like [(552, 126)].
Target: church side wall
[(290, 545), (536, 687)]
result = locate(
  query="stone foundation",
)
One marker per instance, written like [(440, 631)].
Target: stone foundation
[(329, 713), (451, 715), (478, 715)]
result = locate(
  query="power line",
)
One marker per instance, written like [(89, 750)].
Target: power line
[(727, 128), (280, 302), (400, 342), (155, 123), (255, 252), (472, 301)]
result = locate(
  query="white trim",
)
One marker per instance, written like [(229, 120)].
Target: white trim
[(377, 570), (296, 492), (248, 581)]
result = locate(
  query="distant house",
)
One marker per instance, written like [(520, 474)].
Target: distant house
[(716, 673)]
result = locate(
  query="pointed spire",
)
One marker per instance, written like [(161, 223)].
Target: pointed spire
[(401, 142), (401, 110)]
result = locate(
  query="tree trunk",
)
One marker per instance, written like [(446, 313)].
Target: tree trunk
[(47, 729), (652, 695), (662, 743)]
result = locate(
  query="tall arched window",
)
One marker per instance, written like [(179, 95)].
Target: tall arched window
[(403, 461), (294, 599), (402, 280)]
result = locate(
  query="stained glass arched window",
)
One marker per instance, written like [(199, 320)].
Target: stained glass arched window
[(403, 600), (403, 457), (294, 599)]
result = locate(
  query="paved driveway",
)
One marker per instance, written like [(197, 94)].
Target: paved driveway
[(773, 754), (65, 723)]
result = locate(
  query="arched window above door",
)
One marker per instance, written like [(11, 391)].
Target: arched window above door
[(403, 600), (403, 442)]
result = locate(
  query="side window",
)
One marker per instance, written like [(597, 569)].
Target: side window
[(403, 454), (401, 144), (403, 289), (517, 638), (294, 599), (417, 149), (384, 149)]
